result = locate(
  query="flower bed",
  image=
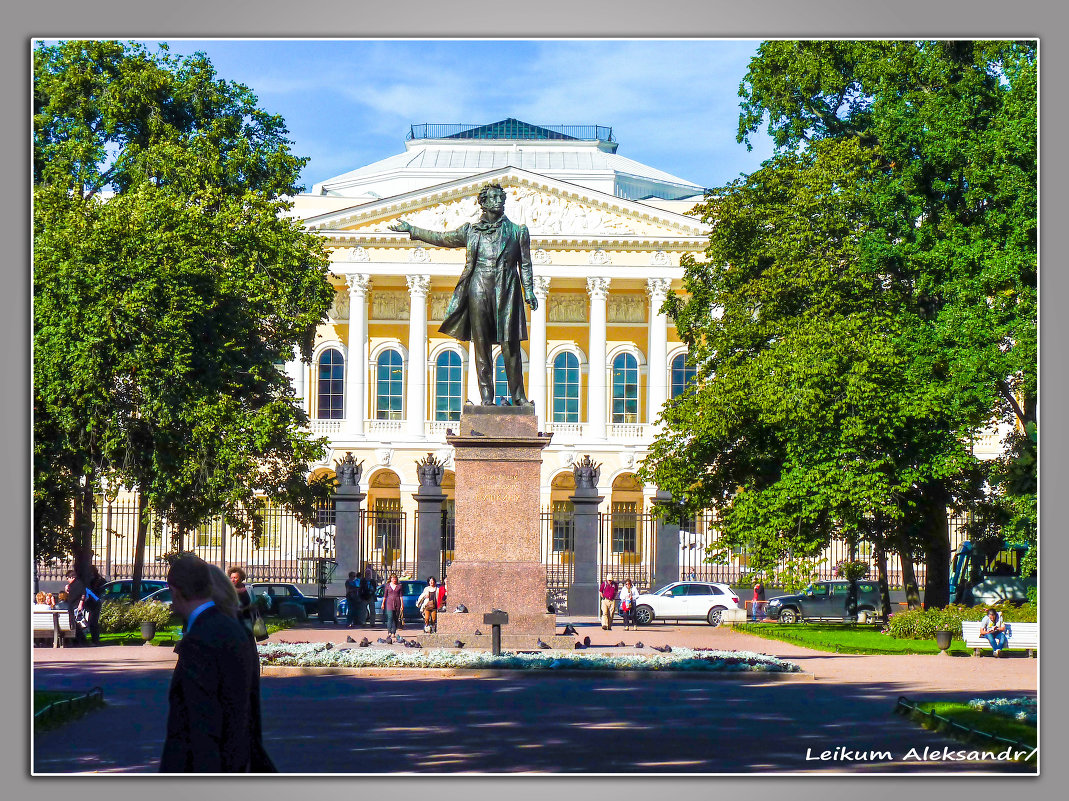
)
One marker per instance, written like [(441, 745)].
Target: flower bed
[(1020, 708), (686, 659)]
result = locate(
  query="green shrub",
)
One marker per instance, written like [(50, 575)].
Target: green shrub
[(122, 616), (921, 624)]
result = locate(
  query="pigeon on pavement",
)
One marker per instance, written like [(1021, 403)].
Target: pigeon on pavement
[(458, 644), (639, 645), (364, 642), (586, 641), (381, 640), (579, 646), (389, 640), (664, 649), (621, 644), (461, 608), (542, 644), (349, 639), (570, 629), (478, 633)]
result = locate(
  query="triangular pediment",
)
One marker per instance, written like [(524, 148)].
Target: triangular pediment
[(548, 208)]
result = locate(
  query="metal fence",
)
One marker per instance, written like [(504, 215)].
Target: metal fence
[(558, 553), (627, 544)]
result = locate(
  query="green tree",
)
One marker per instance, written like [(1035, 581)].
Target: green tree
[(867, 302), (169, 287)]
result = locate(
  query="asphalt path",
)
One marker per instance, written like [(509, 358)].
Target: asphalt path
[(355, 724)]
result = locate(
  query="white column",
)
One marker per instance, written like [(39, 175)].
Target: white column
[(418, 286), (473, 377), (295, 370), (596, 379), (536, 365), (356, 366), (657, 379)]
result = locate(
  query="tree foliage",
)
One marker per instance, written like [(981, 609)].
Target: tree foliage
[(867, 301), (169, 287)]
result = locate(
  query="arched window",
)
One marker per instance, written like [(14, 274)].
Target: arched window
[(329, 405), (389, 386), (566, 388), (501, 381), (683, 372), (625, 389), (447, 386)]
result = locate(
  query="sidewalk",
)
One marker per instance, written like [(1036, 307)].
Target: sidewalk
[(921, 672)]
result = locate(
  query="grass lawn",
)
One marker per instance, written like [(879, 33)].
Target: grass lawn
[(170, 634), (845, 639), (987, 722), (42, 698), (60, 715)]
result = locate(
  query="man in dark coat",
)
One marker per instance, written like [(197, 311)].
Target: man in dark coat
[(487, 304), (213, 725)]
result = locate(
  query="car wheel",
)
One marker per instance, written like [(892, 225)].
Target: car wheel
[(644, 615), (788, 616), (714, 615)]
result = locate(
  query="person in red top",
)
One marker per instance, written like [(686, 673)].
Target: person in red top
[(608, 602)]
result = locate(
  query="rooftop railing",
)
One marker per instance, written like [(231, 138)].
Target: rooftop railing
[(510, 130)]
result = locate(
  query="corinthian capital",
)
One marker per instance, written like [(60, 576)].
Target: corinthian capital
[(358, 283), (598, 287), (541, 286), (418, 284), (657, 289)]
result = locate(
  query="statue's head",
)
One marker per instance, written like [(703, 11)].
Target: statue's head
[(492, 197)]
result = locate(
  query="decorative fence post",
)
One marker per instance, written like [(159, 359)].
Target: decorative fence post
[(666, 551), (583, 592), (347, 545), (430, 501)]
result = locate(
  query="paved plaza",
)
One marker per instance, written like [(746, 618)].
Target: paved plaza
[(425, 721)]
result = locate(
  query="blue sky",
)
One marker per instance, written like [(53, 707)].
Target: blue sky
[(672, 104)]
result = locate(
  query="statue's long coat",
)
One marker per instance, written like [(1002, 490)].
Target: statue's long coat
[(514, 259)]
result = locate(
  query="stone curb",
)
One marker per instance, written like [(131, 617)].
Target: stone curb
[(282, 671)]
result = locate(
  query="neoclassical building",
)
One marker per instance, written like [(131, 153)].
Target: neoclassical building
[(607, 234)]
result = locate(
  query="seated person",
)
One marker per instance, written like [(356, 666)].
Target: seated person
[(39, 603), (50, 599), (992, 627), (61, 601)]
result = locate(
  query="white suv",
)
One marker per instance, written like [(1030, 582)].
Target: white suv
[(686, 600)]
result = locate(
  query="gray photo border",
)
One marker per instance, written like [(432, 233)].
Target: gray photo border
[(547, 18)]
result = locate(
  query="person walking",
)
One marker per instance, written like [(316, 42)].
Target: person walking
[(75, 590), (213, 719), (352, 598), (628, 598), (759, 601), (391, 603), (368, 585), (428, 605), (994, 630), (94, 602), (608, 602)]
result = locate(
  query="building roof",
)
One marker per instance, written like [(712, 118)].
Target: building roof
[(554, 151)]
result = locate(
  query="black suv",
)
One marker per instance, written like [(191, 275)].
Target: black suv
[(278, 593), (823, 600)]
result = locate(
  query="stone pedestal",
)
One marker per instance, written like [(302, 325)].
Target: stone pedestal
[(347, 545), (498, 556)]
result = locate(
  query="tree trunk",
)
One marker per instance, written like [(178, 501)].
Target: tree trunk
[(84, 504), (139, 548), (936, 532), (909, 577), (881, 572)]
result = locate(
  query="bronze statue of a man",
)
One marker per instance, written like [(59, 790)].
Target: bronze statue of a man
[(487, 304)]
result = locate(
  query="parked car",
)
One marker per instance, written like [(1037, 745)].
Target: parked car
[(163, 596), (823, 600), (122, 589), (686, 600), (411, 589), (277, 593)]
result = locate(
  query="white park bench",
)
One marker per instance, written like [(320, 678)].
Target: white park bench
[(55, 624), (1018, 636)]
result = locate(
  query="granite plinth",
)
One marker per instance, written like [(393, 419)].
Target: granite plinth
[(498, 557)]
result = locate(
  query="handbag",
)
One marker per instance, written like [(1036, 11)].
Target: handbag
[(258, 627)]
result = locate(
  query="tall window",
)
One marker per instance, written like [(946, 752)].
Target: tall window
[(331, 385), (501, 381), (388, 525), (566, 388), (625, 389), (683, 372), (563, 526), (624, 527), (389, 386), (447, 386)]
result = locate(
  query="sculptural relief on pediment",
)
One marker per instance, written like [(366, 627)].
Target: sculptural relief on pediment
[(437, 304), (626, 309), (544, 214), (339, 307)]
